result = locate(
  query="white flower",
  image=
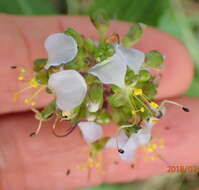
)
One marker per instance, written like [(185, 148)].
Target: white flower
[(61, 48), (129, 145), (113, 69), (69, 87), (91, 131)]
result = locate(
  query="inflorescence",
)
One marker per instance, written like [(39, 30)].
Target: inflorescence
[(99, 82)]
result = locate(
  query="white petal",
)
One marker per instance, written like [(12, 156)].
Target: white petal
[(111, 70), (91, 131), (117, 141), (134, 58), (61, 48), (69, 87), (143, 136)]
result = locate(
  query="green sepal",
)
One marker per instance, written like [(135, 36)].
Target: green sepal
[(48, 111), (79, 39), (133, 35), (48, 90), (117, 100), (90, 79), (42, 77), (103, 117), (149, 89), (39, 64), (153, 59), (100, 144), (95, 93), (130, 76), (121, 115), (89, 45)]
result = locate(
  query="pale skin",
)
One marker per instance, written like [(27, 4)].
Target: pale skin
[(41, 162)]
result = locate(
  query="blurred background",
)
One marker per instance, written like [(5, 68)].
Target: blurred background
[(178, 17)]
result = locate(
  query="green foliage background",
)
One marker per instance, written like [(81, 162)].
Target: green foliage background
[(178, 17)]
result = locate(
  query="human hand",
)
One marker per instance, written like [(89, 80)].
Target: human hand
[(41, 162)]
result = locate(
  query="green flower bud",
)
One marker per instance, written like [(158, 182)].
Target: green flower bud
[(144, 75), (95, 97), (39, 64), (133, 35), (101, 22), (153, 59)]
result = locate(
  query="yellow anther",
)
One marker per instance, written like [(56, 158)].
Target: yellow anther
[(154, 121), (137, 91), (150, 150), (97, 164), (26, 101), (20, 78), (154, 105), (154, 146), (65, 114), (33, 103), (133, 112), (33, 83), (23, 70), (142, 109)]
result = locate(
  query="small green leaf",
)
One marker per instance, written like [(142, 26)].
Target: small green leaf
[(153, 59), (39, 64), (133, 35), (48, 110), (42, 77)]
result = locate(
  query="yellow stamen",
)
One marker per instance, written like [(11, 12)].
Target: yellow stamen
[(137, 91), (34, 94), (154, 105), (33, 83), (142, 109), (33, 103), (26, 101), (21, 78), (23, 70)]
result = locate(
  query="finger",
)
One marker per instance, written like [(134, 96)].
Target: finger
[(41, 162), (22, 40)]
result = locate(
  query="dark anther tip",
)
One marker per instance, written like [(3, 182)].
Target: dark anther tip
[(185, 109), (121, 151), (32, 134), (13, 67)]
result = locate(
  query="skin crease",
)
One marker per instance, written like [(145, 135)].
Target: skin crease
[(41, 162)]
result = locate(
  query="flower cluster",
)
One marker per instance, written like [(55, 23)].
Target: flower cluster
[(100, 82)]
